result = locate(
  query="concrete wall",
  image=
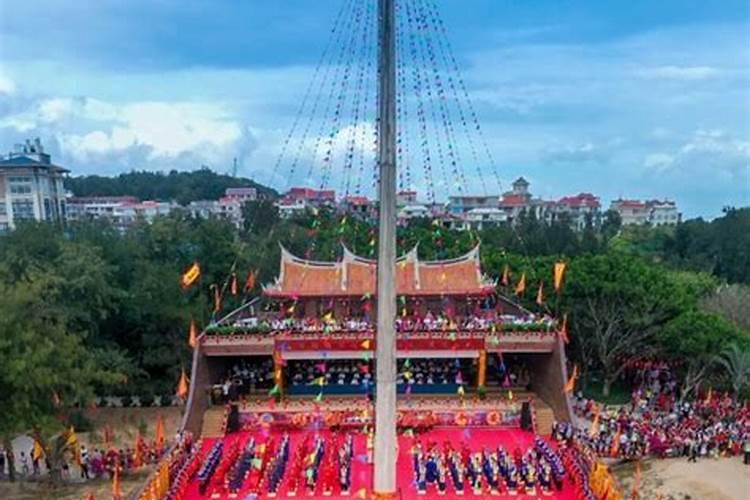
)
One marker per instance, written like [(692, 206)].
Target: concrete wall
[(549, 375), (202, 375)]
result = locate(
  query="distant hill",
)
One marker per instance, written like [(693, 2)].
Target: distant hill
[(182, 187)]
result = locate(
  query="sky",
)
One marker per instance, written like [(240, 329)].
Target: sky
[(636, 99)]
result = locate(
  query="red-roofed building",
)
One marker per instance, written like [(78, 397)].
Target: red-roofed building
[(580, 209)]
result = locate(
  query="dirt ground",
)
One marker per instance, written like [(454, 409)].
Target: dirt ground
[(125, 423), (676, 479)]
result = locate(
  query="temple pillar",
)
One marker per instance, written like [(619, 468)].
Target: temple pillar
[(482, 369)]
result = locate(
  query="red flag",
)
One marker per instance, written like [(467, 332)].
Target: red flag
[(233, 283)]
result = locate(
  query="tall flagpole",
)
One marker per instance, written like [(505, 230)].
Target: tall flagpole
[(385, 403)]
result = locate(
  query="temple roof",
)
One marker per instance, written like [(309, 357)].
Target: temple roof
[(357, 276)]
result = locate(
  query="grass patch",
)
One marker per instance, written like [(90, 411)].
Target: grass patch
[(619, 392)]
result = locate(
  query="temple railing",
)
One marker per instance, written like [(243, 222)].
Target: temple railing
[(364, 342)]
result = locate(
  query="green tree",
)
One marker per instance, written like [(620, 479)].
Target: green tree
[(735, 361)]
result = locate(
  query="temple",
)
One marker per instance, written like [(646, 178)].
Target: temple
[(310, 335)]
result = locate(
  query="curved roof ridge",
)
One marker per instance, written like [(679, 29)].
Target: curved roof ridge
[(472, 254), (287, 255)]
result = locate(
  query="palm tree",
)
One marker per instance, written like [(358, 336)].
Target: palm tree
[(736, 363)]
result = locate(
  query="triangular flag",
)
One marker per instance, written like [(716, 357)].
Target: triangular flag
[(250, 281), (564, 329), (233, 283), (191, 275), (559, 274), (506, 276), (159, 435), (328, 317), (461, 391), (636, 481), (274, 390), (193, 336), (366, 344), (183, 385), (319, 397), (595, 424), (116, 489), (540, 294), (571, 384), (217, 298), (37, 451), (521, 286)]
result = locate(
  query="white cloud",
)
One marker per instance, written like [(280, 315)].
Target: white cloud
[(166, 128), (7, 86), (688, 73)]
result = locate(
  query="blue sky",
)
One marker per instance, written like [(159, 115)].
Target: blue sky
[(636, 99)]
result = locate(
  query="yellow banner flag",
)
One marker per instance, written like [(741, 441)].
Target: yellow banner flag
[(191, 275), (506, 276), (559, 274), (233, 284), (37, 452), (540, 294), (521, 286)]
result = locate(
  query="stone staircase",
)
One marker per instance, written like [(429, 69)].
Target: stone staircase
[(213, 422), (545, 417)]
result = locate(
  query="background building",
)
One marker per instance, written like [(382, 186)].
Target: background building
[(31, 186), (652, 212)]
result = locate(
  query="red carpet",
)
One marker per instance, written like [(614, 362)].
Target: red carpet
[(477, 438)]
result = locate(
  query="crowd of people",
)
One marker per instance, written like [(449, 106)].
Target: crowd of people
[(496, 471), (405, 323), (93, 463), (658, 422), (335, 372), (244, 377)]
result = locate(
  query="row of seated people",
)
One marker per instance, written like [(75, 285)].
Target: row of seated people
[(404, 324), (244, 377), (354, 372), (494, 470), (228, 469)]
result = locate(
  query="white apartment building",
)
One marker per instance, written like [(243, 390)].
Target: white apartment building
[(652, 212), (31, 186)]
